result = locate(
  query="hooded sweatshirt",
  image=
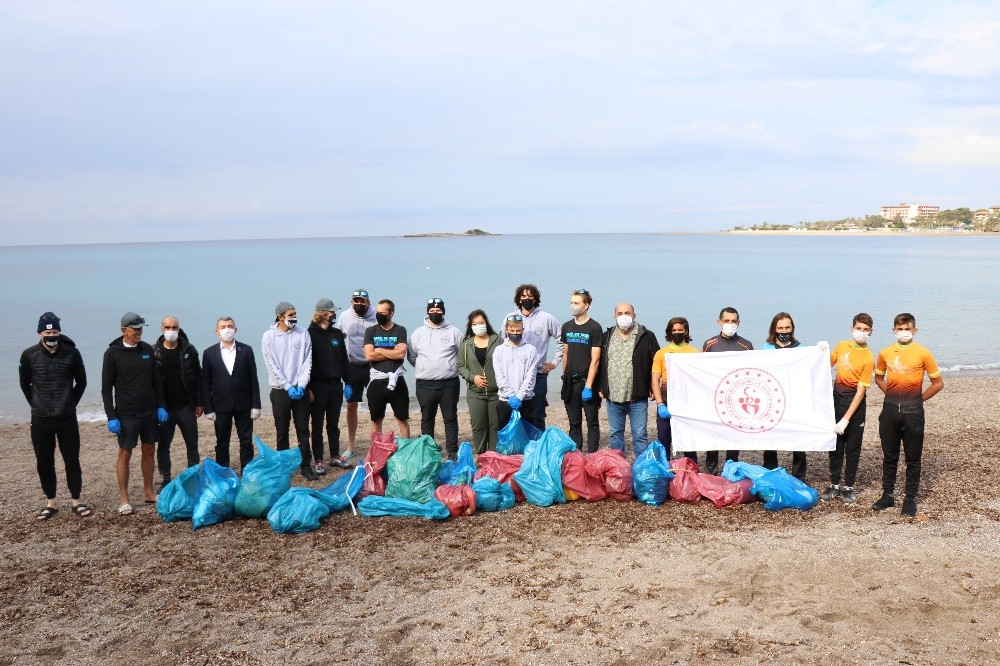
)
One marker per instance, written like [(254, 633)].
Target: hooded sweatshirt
[(539, 328), (515, 370), (354, 328), (288, 355), (130, 381), (433, 351)]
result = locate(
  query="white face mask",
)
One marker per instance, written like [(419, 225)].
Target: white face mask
[(624, 322), (861, 337), (290, 322), (575, 310), (479, 329), (170, 336), (729, 330), (904, 336), (227, 334)]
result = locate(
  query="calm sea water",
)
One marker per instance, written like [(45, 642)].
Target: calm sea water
[(951, 284)]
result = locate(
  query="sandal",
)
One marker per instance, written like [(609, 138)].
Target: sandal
[(125, 510), (82, 510), (46, 513)]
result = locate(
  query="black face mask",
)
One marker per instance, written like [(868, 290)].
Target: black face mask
[(360, 309), (51, 341), (528, 303), (515, 337), (677, 338), (436, 318), (784, 337), (382, 319)]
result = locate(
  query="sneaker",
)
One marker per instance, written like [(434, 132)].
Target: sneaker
[(341, 462), (165, 481), (309, 473), (909, 507), (887, 500), (848, 496), (830, 493), (320, 467)]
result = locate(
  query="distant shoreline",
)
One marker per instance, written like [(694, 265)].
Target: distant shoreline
[(450, 234), (873, 232)]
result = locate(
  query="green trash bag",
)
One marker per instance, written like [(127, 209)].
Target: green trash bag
[(413, 469)]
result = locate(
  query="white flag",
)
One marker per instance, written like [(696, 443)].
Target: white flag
[(773, 399)]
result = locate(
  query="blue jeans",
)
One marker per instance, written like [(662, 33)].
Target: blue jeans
[(637, 412)]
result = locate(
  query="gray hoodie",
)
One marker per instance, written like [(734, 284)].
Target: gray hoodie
[(515, 370), (288, 355), (354, 328), (433, 351)]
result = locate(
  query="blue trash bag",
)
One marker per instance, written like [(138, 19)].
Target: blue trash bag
[(540, 476), (737, 471), (176, 500), (459, 473), (651, 475), (413, 469), (344, 489), (299, 510), (266, 478), (781, 490), (491, 495), (215, 496), (513, 438), (374, 506)]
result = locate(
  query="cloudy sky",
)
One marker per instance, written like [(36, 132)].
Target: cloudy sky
[(127, 121)]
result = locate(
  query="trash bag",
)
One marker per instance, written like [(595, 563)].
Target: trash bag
[(176, 500), (615, 471), (514, 437), (299, 510), (580, 480), (374, 506), (781, 490), (215, 494), (502, 468), (651, 475), (460, 500), (735, 471), (540, 476), (413, 469), (491, 495), (266, 478), (683, 487), (723, 492), (382, 447), (344, 488), (461, 472), (739, 492)]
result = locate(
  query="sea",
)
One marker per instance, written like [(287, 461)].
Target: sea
[(951, 283)]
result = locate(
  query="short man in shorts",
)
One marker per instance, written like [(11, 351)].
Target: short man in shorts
[(385, 349), (354, 322), (581, 338), (133, 400)]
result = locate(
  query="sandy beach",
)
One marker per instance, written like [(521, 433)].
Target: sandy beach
[(602, 583)]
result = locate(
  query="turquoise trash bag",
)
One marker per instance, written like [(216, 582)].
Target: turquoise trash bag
[(176, 500), (413, 469), (737, 471), (344, 489), (299, 510), (540, 476), (374, 506), (215, 496), (462, 472), (651, 475), (780, 490), (491, 495), (513, 438), (265, 479)]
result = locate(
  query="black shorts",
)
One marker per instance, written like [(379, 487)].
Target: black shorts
[(136, 429), (379, 396), (357, 379)]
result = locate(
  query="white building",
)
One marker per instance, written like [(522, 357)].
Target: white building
[(908, 212)]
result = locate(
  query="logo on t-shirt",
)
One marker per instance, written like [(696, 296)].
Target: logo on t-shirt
[(579, 338), (385, 341)]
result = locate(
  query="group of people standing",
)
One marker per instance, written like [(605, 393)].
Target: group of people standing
[(150, 391)]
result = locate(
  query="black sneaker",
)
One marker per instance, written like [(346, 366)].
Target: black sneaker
[(909, 507), (165, 481), (886, 501), (848, 495), (830, 493), (309, 473)]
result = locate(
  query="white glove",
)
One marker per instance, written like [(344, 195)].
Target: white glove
[(254, 414), (824, 345), (840, 427), (210, 416)]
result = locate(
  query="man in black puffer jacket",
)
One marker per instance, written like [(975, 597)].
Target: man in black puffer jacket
[(53, 380), (181, 373)]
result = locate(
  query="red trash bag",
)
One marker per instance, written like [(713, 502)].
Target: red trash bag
[(723, 492), (615, 472), (383, 446), (502, 468), (460, 500), (580, 478), (739, 492), (684, 486)]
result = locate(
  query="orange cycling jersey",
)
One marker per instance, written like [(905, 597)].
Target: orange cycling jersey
[(903, 367), (660, 359), (854, 366)]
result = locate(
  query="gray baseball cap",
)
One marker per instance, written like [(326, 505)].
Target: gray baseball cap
[(283, 306), (325, 305), (132, 320)]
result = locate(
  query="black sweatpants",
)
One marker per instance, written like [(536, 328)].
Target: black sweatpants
[(848, 444), (712, 460), (285, 409), (901, 424), (183, 418), (432, 393), (46, 432), (576, 409), (224, 431), (328, 398), (798, 463)]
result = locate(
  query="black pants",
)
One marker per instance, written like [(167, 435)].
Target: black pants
[(664, 436), (901, 424), (224, 431), (848, 444), (576, 408), (328, 398), (45, 433), (444, 392), (712, 459), (285, 409), (526, 410), (798, 463), (183, 418)]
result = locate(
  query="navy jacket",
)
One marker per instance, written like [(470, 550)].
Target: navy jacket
[(222, 392)]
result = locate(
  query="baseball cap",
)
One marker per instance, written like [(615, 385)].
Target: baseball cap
[(325, 305), (360, 293), (132, 320), (283, 306)]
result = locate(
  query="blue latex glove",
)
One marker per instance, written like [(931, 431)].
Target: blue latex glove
[(663, 412), (115, 426), (514, 402), (348, 392), (293, 393), (586, 394), (161, 415)]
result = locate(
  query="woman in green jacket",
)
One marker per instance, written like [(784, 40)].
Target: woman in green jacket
[(475, 366)]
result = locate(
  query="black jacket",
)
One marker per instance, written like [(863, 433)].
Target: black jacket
[(190, 367), (53, 383), (225, 393), (130, 381), (646, 346), (329, 353)]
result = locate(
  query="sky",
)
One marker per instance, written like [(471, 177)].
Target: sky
[(144, 121)]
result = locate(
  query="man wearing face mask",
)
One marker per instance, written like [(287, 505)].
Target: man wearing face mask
[(727, 340), (581, 338), (433, 353), (385, 349), (679, 337), (53, 380), (288, 356), (354, 322), (899, 372), (627, 351), (781, 335), (539, 328), (326, 385), (514, 364), (181, 373), (231, 392)]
